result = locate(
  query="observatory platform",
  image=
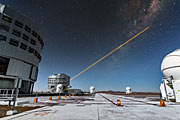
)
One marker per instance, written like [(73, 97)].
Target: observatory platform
[(101, 107)]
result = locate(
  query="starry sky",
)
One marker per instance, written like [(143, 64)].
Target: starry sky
[(79, 32)]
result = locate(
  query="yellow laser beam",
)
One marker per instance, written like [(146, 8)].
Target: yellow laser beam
[(110, 52)]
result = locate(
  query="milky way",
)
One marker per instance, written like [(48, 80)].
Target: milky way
[(140, 13)]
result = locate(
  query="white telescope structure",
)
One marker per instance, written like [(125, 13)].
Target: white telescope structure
[(59, 88), (92, 89), (170, 86), (128, 90)]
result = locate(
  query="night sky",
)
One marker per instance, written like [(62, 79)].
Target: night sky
[(79, 32)]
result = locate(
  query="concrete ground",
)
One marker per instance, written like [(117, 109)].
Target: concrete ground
[(100, 108)]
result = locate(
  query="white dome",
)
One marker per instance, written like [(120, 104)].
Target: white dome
[(59, 88), (171, 65), (92, 88), (128, 88)]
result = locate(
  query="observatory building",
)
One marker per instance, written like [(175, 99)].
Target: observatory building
[(20, 47), (58, 83), (170, 86)]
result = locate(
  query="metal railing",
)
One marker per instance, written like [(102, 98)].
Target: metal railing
[(11, 94), (7, 93)]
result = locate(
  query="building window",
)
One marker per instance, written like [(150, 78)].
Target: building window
[(36, 74), (23, 46), (39, 57), (31, 50), (16, 33), (34, 34), (4, 62), (19, 24), (3, 38), (39, 38), (25, 37), (31, 72), (33, 42), (4, 28), (28, 29), (42, 44), (14, 42), (36, 53), (6, 18)]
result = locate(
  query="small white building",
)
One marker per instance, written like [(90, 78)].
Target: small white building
[(75, 91)]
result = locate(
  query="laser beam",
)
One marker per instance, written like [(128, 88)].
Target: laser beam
[(111, 52)]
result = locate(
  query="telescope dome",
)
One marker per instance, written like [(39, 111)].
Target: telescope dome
[(171, 65)]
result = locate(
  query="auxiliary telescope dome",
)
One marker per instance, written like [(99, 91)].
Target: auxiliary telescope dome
[(128, 90), (59, 88), (92, 89), (171, 65)]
